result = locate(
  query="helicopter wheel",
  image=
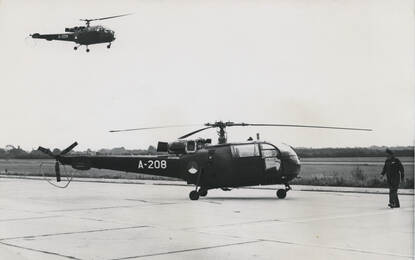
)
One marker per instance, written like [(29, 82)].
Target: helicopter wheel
[(194, 195), (87, 50), (281, 193), (203, 193), (109, 46), (75, 48)]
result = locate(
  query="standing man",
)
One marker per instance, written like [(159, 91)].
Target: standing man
[(394, 174)]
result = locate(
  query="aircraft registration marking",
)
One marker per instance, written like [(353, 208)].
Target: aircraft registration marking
[(152, 164)]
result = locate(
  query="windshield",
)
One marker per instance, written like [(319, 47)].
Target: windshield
[(268, 151), (287, 151)]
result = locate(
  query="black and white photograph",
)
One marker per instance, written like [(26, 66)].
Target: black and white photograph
[(207, 129)]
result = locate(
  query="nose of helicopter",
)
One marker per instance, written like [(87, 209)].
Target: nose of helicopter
[(291, 162), (290, 169), (110, 35), (35, 35), (293, 166)]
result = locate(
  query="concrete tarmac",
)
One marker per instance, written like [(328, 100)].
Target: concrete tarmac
[(117, 221)]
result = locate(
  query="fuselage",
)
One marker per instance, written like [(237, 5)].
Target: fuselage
[(81, 35), (213, 166), (94, 35)]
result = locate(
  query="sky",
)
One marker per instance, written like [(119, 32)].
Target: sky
[(324, 62)]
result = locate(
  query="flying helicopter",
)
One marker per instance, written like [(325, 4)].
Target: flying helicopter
[(223, 165), (84, 35)]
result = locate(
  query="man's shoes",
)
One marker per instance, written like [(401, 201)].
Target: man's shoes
[(393, 206)]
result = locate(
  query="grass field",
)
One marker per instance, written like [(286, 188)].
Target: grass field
[(352, 172)]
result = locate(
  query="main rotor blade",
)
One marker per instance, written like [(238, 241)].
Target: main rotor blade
[(195, 132), (104, 18), (152, 127), (69, 148), (305, 126)]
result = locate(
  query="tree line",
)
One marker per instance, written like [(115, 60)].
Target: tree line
[(354, 152)]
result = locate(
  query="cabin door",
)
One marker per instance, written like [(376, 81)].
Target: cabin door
[(248, 164)]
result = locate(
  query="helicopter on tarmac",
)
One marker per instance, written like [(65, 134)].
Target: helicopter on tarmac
[(84, 35), (224, 165)]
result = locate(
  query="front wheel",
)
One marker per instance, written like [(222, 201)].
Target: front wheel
[(281, 193), (194, 195)]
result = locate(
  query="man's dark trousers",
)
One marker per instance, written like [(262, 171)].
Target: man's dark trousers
[(393, 197)]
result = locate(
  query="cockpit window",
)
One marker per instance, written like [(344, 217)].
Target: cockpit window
[(268, 151), (191, 146), (271, 156), (245, 150)]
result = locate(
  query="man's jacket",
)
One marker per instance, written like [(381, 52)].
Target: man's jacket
[(394, 171)]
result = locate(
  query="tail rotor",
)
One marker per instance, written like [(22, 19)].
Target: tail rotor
[(57, 157)]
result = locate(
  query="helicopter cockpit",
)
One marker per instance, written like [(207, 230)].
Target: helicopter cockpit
[(100, 28), (269, 153)]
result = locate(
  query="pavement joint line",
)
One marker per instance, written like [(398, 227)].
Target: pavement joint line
[(71, 233), (289, 221), (114, 207), (98, 208), (370, 213), (280, 221), (359, 192), (28, 218), (188, 250), (302, 244), (92, 219), (339, 248), (333, 191), (212, 233), (153, 203), (40, 251), (237, 224), (25, 210), (144, 201), (212, 202)]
